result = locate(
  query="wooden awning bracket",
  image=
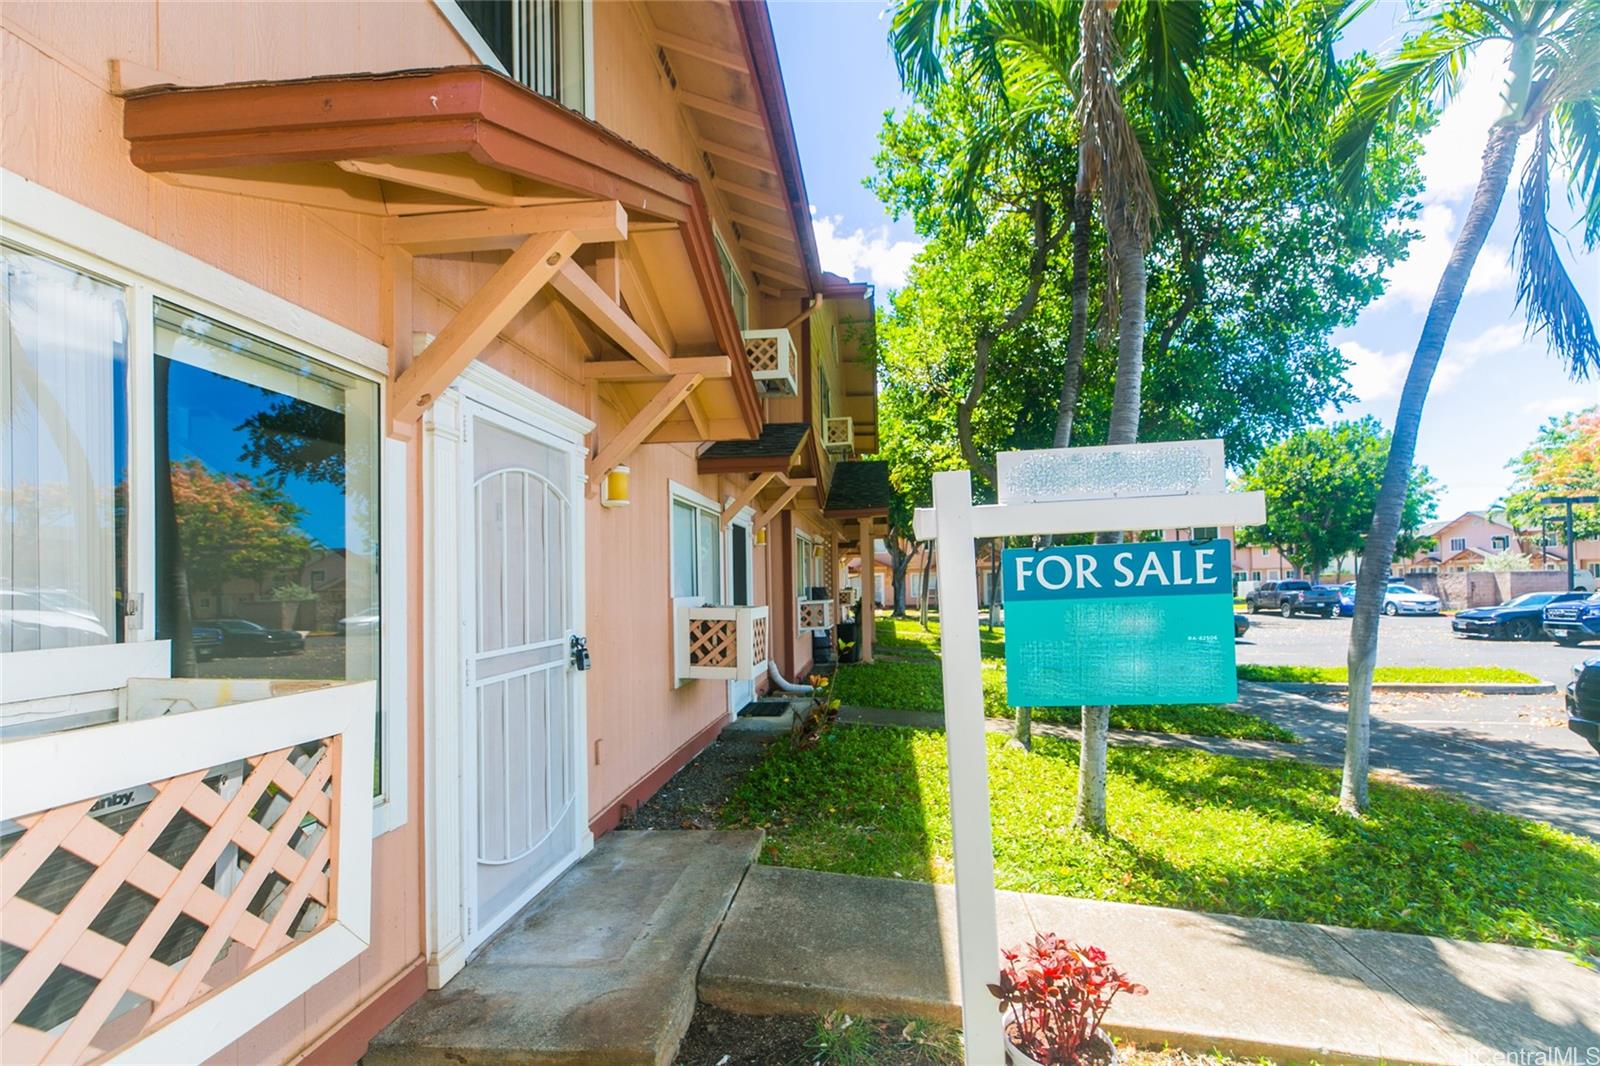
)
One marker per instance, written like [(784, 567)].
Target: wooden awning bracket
[(640, 426), (747, 496), (796, 486), (442, 233)]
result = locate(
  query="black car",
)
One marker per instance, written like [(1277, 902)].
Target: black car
[(206, 641), (240, 637), (1516, 619), (1583, 702)]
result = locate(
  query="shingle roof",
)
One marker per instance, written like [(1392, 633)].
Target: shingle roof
[(778, 443), (862, 485)]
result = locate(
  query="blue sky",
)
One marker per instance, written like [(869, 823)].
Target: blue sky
[(1494, 386)]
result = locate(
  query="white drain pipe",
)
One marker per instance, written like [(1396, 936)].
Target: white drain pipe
[(787, 686)]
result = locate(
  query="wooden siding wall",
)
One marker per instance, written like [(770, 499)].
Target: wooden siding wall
[(61, 127)]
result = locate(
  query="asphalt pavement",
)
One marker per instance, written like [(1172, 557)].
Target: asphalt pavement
[(1419, 640)]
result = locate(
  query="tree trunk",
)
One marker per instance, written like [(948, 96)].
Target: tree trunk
[(1131, 281), (899, 563), (927, 564), (1077, 331), (1378, 554), (174, 613)]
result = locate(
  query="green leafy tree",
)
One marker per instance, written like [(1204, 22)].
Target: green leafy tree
[(1563, 460), (1321, 486), (1552, 92)]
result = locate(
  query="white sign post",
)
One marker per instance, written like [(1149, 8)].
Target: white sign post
[(1057, 491)]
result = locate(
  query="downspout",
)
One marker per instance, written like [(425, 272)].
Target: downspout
[(787, 686)]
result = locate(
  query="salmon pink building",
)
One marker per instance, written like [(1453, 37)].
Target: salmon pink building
[(426, 424)]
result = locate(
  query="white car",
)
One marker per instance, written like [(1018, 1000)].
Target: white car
[(1403, 599)]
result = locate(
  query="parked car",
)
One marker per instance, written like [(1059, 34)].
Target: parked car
[(1241, 623), (1293, 597), (1573, 621), (1583, 702), (1519, 618), (365, 622), (206, 641), (1347, 596), (240, 637), (1403, 599)]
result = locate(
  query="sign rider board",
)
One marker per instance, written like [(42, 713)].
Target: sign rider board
[(1133, 604), (1120, 624)]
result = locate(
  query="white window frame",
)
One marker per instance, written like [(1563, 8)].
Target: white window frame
[(480, 49), (1458, 544), (39, 219), (744, 288), (677, 492)]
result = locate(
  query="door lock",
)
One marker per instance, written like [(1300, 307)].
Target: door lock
[(580, 653)]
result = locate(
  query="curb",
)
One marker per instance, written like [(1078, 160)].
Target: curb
[(1482, 688)]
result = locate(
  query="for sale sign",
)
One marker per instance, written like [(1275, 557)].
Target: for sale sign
[(1120, 624)]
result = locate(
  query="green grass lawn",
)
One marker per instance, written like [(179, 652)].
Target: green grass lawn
[(918, 686), (1188, 829), (1415, 674), (905, 638)]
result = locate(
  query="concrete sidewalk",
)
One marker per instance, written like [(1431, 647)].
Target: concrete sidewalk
[(796, 941)]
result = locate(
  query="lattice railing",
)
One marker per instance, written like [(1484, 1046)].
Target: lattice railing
[(728, 643), (124, 911), (839, 434), (816, 614), (771, 355)]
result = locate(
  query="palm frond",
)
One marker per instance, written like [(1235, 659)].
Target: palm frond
[(917, 30), (1579, 123), (1427, 66), (1172, 38), (1544, 289)]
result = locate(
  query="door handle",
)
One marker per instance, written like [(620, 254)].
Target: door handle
[(580, 652)]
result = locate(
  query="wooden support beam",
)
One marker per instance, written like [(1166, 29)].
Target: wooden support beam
[(769, 197), (485, 314), (606, 315), (739, 155), (722, 109), (746, 497), (640, 426), (773, 269), (441, 174), (395, 310), (711, 366), (311, 184), (697, 415), (592, 221), (642, 298), (722, 57), (772, 229), (607, 269)]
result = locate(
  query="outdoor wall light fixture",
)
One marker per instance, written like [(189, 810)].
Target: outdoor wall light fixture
[(614, 488), (819, 550), (761, 537)]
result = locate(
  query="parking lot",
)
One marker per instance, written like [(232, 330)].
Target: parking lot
[(1403, 641)]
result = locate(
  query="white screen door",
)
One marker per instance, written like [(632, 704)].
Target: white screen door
[(522, 814)]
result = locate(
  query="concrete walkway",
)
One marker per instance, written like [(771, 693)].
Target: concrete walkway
[(599, 969), (802, 942)]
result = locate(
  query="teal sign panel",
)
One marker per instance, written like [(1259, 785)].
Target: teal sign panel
[(1120, 624)]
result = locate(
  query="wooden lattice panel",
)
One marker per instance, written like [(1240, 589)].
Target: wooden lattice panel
[(838, 434), (816, 614), (713, 642), (762, 353), (114, 922), (758, 639)]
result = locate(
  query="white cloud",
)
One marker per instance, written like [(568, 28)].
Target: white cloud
[(1460, 356), (863, 255), (1374, 375), (1551, 406), (1414, 279)]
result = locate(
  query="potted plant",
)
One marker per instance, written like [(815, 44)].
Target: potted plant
[(1055, 994)]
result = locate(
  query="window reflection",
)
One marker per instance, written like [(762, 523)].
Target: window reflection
[(266, 507)]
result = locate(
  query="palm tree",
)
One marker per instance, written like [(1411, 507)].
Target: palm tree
[(1552, 91)]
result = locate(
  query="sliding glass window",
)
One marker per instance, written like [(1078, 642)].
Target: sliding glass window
[(266, 507)]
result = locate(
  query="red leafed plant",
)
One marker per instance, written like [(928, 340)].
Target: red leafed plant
[(1056, 992)]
